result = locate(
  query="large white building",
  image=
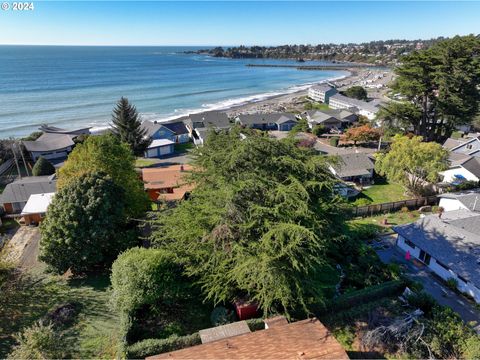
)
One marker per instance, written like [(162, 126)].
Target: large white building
[(448, 245), (367, 109), (321, 93)]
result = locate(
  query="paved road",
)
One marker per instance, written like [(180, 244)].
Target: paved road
[(388, 252)]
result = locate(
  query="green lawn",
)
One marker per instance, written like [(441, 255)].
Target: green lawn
[(381, 192), (377, 221), (181, 148), (31, 296), (316, 106), (141, 162)]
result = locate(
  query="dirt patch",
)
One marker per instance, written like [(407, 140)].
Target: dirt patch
[(22, 249)]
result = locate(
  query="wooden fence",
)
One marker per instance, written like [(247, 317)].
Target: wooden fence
[(369, 210)]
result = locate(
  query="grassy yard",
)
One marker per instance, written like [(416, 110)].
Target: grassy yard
[(29, 297), (381, 192), (377, 221), (316, 106), (142, 162), (181, 148)]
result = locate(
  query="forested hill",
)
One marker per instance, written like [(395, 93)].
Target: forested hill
[(374, 52)]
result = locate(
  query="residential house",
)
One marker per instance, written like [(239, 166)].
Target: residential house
[(467, 200), (167, 183), (175, 131), (51, 146), (199, 125), (36, 208), (345, 116), (16, 194), (306, 339), (467, 146), (367, 109), (159, 148), (355, 167), (321, 92), (317, 117), (270, 121), (464, 158), (462, 168), (449, 245)]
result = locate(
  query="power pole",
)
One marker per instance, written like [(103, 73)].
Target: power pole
[(24, 162), (16, 161)]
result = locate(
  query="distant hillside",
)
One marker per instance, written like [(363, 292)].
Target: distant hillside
[(374, 52)]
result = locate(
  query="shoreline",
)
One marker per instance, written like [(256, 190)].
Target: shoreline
[(267, 103)]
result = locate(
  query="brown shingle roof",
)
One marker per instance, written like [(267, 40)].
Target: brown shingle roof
[(168, 177), (307, 339)]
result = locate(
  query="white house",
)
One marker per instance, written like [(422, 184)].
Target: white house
[(160, 147), (448, 245), (51, 146), (367, 109), (467, 200), (321, 92)]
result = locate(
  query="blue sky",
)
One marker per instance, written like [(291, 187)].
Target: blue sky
[(233, 23)]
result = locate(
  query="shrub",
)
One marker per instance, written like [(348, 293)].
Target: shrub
[(319, 130), (452, 284), (334, 141), (43, 167), (422, 301), (144, 277), (404, 209), (150, 347), (357, 297), (221, 316), (38, 341)]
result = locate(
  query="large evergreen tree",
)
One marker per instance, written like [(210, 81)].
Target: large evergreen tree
[(83, 226), (126, 125), (440, 86), (258, 223)]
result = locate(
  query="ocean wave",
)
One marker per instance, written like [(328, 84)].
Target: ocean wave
[(228, 103)]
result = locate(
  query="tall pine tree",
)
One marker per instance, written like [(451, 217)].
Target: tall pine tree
[(127, 126)]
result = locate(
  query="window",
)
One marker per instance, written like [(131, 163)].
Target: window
[(442, 265), (409, 243)]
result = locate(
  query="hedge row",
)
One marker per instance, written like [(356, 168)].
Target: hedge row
[(151, 347), (358, 297)]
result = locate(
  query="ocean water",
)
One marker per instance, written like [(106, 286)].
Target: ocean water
[(70, 86)]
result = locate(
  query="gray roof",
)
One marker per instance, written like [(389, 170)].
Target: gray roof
[(270, 118), (323, 87), (150, 127), (50, 142), (469, 198), (453, 239), (207, 119), (20, 190), (457, 159), (450, 143), (473, 165), (353, 164), (320, 117), (341, 114), (360, 104)]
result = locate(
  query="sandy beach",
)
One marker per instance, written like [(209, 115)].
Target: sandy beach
[(375, 80)]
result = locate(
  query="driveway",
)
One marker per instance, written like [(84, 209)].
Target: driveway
[(22, 248), (389, 252)]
